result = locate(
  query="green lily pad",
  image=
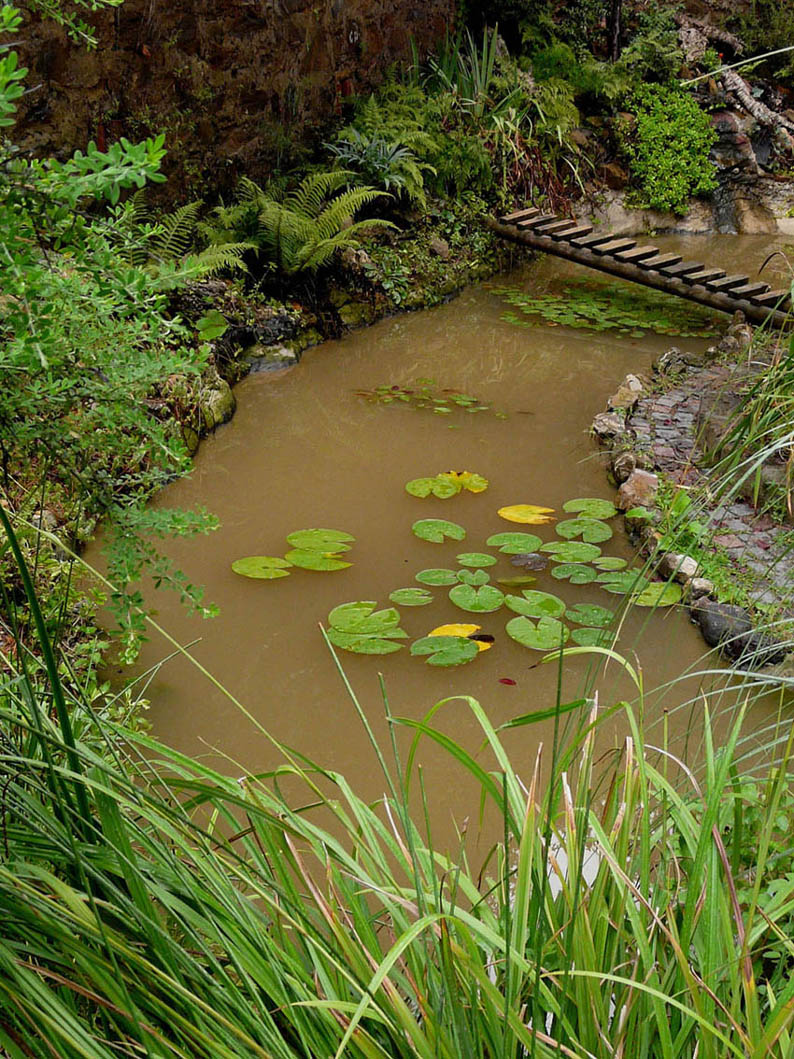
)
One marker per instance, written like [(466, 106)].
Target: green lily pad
[(439, 486), (411, 597), (361, 619), (474, 483), (516, 582), (544, 635), (437, 576), (589, 529), (436, 529), (591, 507), (638, 512), (514, 543), (576, 573), (477, 600), (592, 637), (657, 594), (610, 562), (475, 559), (316, 560), (571, 551), (362, 645), (590, 614), (620, 582), (320, 540), (535, 604), (446, 650), (475, 578), (261, 567)]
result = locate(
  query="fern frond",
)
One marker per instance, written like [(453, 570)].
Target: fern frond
[(177, 231), (310, 196), (343, 206), (314, 257), (225, 257)]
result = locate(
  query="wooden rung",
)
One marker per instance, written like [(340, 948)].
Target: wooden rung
[(519, 215), (614, 245), (573, 233), (681, 269), (726, 284), (638, 254), (749, 289), (703, 276), (554, 226), (543, 218), (589, 241), (653, 263), (771, 299)]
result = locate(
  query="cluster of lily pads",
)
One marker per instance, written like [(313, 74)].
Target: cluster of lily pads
[(311, 549), (446, 484), (425, 394), (542, 620)]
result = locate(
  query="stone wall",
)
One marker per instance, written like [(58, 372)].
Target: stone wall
[(232, 83)]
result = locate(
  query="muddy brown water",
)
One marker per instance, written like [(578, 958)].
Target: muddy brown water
[(303, 450)]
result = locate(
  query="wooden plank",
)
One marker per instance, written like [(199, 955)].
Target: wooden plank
[(614, 245), (681, 269), (638, 254), (703, 276), (589, 241), (573, 233), (519, 215), (653, 263), (543, 218), (771, 299), (555, 226), (749, 289), (725, 285)]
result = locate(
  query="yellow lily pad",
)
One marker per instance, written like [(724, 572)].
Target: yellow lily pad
[(528, 514), (461, 629)]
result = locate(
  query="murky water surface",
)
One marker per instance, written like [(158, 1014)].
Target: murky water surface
[(303, 450)]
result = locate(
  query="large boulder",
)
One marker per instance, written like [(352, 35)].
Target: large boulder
[(639, 490), (729, 628)]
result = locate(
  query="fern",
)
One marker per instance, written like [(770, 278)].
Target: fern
[(392, 166)]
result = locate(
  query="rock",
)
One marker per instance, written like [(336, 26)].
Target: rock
[(742, 336), (732, 149), (696, 587), (680, 568), (216, 402), (440, 247), (191, 439), (45, 519), (729, 627), (356, 259), (270, 358), (530, 561), (627, 394), (614, 176), (693, 43), (623, 465), (355, 314), (639, 490), (608, 425)]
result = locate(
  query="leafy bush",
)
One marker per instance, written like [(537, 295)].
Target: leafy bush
[(669, 150), (392, 166), (597, 82), (653, 53)]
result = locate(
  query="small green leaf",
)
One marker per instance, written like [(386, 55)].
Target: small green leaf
[(211, 326), (475, 559), (362, 645), (437, 577), (576, 573), (443, 488), (592, 637), (544, 635), (436, 529), (411, 597), (361, 618), (657, 594), (315, 560), (320, 540), (590, 530), (446, 650), (261, 567), (591, 507), (473, 577), (609, 562), (514, 543), (477, 600), (571, 551), (590, 614), (535, 604), (515, 582), (638, 512), (622, 581)]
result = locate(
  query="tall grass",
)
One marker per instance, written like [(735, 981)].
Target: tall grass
[(154, 906)]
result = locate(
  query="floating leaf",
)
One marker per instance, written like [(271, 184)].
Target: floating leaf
[(571, 551), (590, 614), (535, 604), (436, 529), (473, 577), (592, 637), (529, 514), (609, 562), (576, 573), (515, 582), (530, 561), (591, 507), (361, 618), (544, 635), (446, 650), (477, 600), (320, 540), (469, 631), (411, 597), (437, 577), (474, 483), (442, 487), (475, 559), (657, 594), (589, 529), (622, 581), (514, 543), (362, 645), (261, 567), (638, 512), (315, 560)]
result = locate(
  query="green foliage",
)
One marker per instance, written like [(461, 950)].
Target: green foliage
[(595, 82), (653, 53), (391, 166), (668, 152)]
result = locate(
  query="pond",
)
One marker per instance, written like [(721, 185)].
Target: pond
[(305, 449)]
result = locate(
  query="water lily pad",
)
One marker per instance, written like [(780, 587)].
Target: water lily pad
[(638, 512), (514, 543), (436, 529), (576, 573), (591, 507), (473, 483), (439, 486), (515, 582), (411, 597), (657, 594), (571, 551), (362, 645), (622, 581), (475, 559), (477, 600), (544, 635), (446, 650), (535, 604), (529, 514), (590, 614), (361, 618), (473, 577), (530, 561), (261, 567), (437, 577), (589, 529), (316, 560), (469, 631), (320, 540), (592, 637), (610, 562)]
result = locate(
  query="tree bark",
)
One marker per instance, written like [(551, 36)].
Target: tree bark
[(613, 30)]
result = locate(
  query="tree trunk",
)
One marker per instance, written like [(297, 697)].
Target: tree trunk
[(613, 30)]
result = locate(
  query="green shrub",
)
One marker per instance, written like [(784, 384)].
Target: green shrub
[(389, 165), (653, 53), (597, 82), (669, 149)]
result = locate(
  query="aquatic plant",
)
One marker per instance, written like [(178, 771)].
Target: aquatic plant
[(312, 549), (425, 394), (447, 484)]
